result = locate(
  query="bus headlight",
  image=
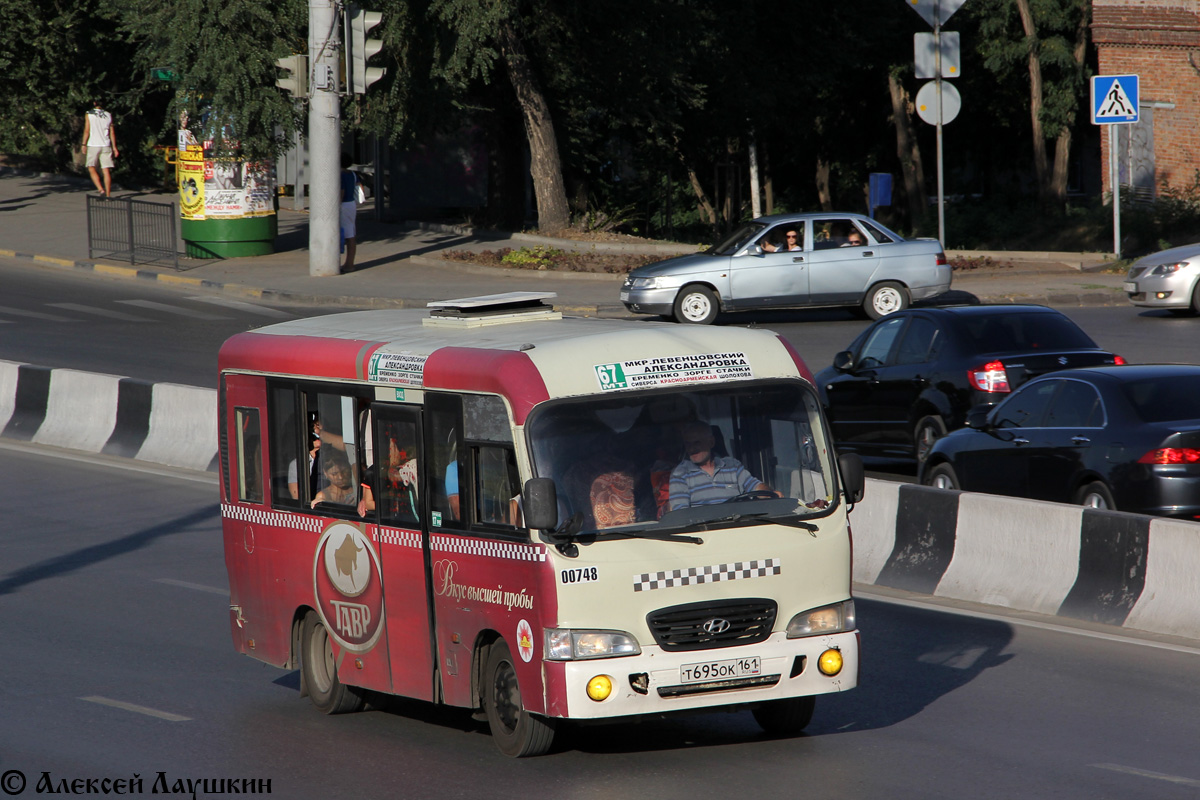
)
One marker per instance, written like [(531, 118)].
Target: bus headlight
[(826, 619), (567, 644)]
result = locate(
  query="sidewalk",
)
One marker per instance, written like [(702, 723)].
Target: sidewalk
[(43, 219)]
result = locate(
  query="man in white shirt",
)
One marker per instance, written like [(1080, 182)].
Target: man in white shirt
[(100, 138)]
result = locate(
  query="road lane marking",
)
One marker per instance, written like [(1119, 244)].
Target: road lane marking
[(197, 586), (20, 312), (150, 712), (1145, 773), (241, 305), (1029, 623), (100, 312), (170, 309)]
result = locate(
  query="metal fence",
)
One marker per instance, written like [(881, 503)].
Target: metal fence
[(138, 230)]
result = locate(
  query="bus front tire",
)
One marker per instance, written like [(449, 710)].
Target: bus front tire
[(785, 717), (517, 733), (328, 694)]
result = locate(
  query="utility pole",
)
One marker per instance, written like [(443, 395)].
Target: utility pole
[(324, 140)]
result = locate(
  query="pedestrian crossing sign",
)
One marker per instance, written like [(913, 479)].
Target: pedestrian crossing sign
[(1114, 99)]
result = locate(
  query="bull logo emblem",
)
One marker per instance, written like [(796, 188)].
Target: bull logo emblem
[(347, 559)]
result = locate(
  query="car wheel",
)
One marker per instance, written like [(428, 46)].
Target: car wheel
[(516, 732), (696, 304), (1195, 309), (327, 693), (942, 477), (1096, 495), (927, 431), (885, 298)]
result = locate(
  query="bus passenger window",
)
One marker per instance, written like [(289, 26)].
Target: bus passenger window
[(395, 474), (249, 456), (497, 485)]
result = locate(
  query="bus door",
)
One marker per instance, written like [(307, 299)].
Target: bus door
[(395, 480), (487, 575), (249, 537)]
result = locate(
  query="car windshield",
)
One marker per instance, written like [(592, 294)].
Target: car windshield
[(650, 463), (737, 240), (996, 333), (1165, 398)]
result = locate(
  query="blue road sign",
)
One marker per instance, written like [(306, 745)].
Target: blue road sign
[(1114, 99)]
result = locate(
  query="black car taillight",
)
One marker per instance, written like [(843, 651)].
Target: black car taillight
[(1171, 455), (991, 377)]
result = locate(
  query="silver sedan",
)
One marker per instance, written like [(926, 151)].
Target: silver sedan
[(1167, 279), (790, 261)]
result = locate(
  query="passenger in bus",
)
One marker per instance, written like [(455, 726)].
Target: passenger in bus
[(612, 499), (398, 486), (704, 478), (335, 467), (314, 472)]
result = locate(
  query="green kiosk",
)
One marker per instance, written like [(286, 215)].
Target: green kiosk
[(227, 207)]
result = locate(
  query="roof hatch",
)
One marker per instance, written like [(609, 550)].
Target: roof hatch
[(492, 309)]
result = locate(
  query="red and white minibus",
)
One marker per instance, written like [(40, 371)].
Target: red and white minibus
[(539, 519)]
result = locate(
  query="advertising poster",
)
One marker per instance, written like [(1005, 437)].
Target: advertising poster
[(191, 183)]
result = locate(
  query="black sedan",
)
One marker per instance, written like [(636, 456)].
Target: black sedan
[(913, 375), (1124, 438)]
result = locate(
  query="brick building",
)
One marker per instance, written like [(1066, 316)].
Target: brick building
[(1159, 41)]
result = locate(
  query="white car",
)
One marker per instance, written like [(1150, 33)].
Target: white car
[(1167, 279), (793, 261)]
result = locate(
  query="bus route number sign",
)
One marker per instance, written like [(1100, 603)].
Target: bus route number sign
[(611, 376)]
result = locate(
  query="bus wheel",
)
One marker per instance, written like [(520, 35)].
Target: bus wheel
[(516, 732), (328, 694), (785, 717)]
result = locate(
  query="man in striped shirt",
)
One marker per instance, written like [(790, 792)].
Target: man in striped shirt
[(703, 478)]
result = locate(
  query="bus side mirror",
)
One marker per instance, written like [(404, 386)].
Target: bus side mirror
[(854, 478), (540, 501)]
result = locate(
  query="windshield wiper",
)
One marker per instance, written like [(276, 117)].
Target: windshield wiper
[(646, 533)]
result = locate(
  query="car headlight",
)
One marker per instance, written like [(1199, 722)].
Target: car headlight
[(648, 283), (1169, 269), (566, 644), (824, 620)]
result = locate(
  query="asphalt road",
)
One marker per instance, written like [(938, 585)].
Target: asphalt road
[(119, 662), (156, 332)]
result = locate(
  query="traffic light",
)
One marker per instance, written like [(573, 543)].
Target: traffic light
[(296, 82), (359, 48)]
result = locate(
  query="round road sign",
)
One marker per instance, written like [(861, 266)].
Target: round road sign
[(927, 102)]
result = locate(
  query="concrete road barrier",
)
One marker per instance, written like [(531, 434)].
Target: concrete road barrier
[(1100, 566), (162, 423)]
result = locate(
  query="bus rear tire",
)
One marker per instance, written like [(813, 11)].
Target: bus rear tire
[(328, 694), (786, 717), (517, 733)]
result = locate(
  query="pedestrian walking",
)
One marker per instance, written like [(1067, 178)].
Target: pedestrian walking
[(100, 139)]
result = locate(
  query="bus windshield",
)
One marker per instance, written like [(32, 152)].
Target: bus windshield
[(643, 461)]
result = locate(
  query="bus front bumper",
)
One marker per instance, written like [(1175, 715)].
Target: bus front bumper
[(659, 681)]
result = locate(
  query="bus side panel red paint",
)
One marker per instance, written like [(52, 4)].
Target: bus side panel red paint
[(508, 373), (311, 356)]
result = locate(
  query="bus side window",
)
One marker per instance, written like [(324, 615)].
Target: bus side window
[(497, 485), (446, 471), (396, 473), (291, 462), (249, 456)]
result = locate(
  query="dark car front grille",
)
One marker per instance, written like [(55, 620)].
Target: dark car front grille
[(705, 626)]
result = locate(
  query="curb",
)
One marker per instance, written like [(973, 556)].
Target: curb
[(1105, 567)]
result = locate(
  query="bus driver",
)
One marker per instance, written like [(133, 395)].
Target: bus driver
[(703, 478)]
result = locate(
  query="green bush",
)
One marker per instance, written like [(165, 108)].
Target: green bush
[(536, 257)]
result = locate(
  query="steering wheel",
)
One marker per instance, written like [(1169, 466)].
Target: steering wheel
[(754, 494)]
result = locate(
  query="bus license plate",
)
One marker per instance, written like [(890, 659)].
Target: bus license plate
[(720, 670), (1131, 287)]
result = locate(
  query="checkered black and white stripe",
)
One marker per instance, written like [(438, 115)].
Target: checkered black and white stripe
[(694, 576), (257, 516), (400, 538), (488, 548)]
